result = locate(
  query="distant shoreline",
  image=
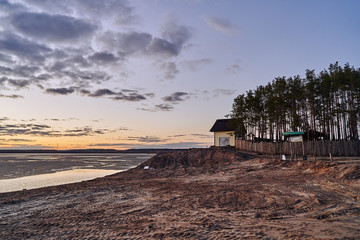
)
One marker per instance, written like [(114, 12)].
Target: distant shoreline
[(139, 150)]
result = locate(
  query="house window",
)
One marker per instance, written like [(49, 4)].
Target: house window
[(224, 141)]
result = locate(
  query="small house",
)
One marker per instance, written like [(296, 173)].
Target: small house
[(224, 133), (294, 136), (310, 135)]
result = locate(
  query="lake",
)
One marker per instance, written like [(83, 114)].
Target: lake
[(20, 171)]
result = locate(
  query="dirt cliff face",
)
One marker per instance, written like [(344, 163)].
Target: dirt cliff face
[(335, 170), (195, 158)]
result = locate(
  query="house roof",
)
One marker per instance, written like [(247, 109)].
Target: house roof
[(222, 125)]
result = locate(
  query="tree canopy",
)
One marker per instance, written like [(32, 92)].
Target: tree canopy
[(326, 103)]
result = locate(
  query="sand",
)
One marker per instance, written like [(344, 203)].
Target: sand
[(195, 194)]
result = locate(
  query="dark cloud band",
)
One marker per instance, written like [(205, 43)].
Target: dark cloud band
[(54, 28)]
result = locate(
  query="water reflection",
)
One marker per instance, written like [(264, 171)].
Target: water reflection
[(15, 165), (52, 179)]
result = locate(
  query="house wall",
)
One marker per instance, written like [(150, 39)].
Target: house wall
[(229, 134)]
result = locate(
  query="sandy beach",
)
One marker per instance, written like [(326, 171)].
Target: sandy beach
[(195, 194)]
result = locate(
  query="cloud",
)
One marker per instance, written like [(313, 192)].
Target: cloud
[(233, 68), (80, 61), (37, 126), (5, 71), (44, 130), (170, 100), (123, 129), (118, 11), (164, 107), (84, 131), (172, 40), (25, 70), (163, 48), (84, 92), (77, 71), (19, 140), (152, 143), (119, 145), (196, 65), (22, 48), (103, 58), (170, 44), (125, 95), (178, 135), (182, 145), (67, 47), (59, 91), (146, 139), (176, 145), (19, 83), (200, 135), (217, 93), (169, 68), (133, 42), (14, 96), (132, 97), (222, 92), (55, 28), (125, 43), (6, 58), (26, 129), (102, 92), (175, 33), (59, 119), (150, 95), (4, 119), (25, 146), (219, 24), (147, 109), (138, 142), (176, 97), (9, 8)]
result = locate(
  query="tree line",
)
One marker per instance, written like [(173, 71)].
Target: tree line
[(326, 104)]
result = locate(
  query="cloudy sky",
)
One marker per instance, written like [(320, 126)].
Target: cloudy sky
[(153, 73)]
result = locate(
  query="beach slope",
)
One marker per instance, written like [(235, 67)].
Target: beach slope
[(195, 194)]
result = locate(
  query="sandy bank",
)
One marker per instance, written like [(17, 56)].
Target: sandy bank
[(194, 194)]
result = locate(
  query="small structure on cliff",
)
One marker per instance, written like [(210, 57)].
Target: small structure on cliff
[(293, 138), (224, 133)]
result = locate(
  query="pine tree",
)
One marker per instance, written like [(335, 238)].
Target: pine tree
[(328, 103)]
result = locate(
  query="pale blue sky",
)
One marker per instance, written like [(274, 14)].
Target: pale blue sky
[(154, 73)]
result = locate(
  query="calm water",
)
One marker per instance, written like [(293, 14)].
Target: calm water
[(32, 170)]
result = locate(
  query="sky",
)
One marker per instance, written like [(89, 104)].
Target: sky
[(153, 73)]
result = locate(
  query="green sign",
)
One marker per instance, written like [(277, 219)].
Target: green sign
[(296, 139)]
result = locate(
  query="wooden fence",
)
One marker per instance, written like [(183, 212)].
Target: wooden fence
[(314, 148)]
